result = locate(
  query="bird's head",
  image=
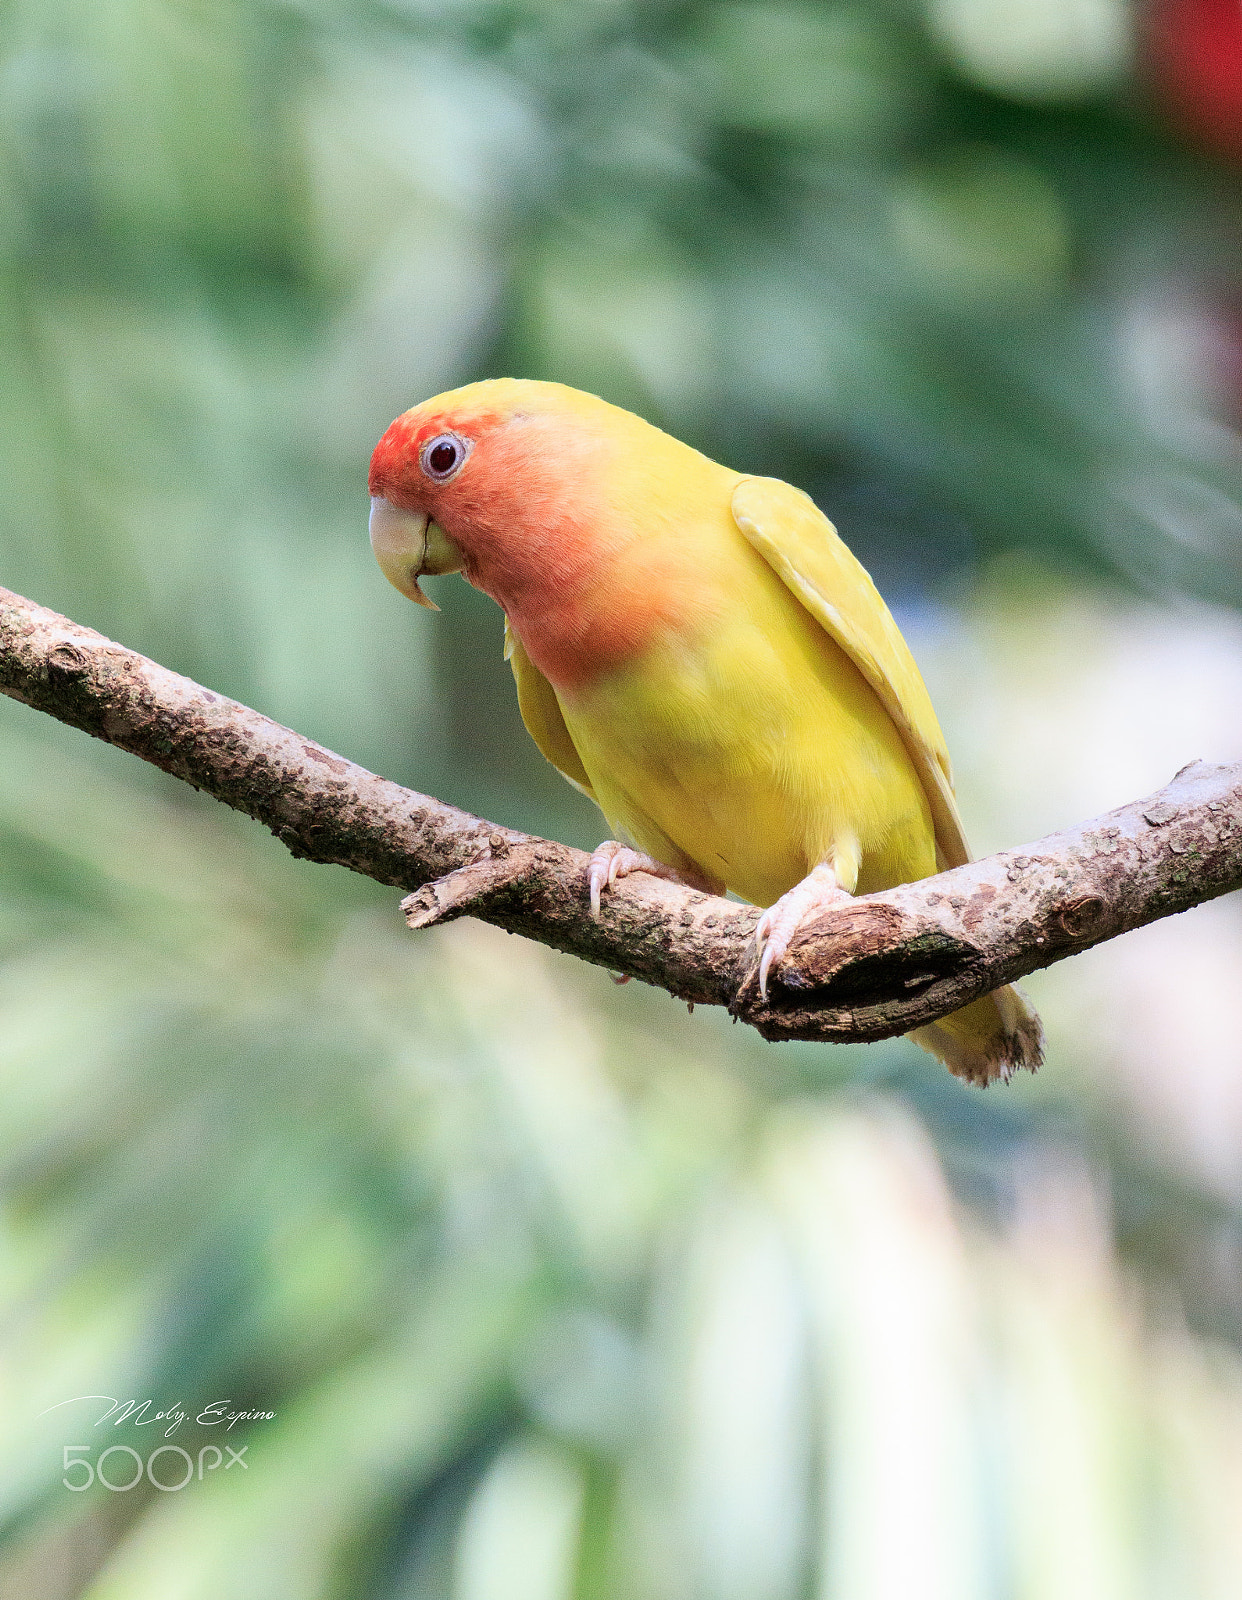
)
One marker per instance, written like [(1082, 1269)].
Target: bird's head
[(498, 480)]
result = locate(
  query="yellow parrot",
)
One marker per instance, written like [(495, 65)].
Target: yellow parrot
[(696, 650)]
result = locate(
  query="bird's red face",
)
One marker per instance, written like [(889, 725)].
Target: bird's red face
[(506, 495), (536, 494)]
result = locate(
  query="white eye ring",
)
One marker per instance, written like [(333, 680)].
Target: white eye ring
[(448, 465)]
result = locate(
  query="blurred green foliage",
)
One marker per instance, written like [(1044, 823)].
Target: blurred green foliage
[(553, 1290)]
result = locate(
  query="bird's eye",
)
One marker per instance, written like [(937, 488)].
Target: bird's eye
[(443, 456)]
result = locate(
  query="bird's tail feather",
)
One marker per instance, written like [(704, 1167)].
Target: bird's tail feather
[(992, 1037)]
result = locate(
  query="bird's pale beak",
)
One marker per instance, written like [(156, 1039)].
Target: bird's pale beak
[(407, 545)]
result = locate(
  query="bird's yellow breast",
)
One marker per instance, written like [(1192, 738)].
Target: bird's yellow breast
[(747, 741)]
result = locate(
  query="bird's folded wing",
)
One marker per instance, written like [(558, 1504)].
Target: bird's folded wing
[(541, 712), (802, 547)]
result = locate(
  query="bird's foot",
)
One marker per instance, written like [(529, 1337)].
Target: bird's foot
[(818, 891), (610, 861)]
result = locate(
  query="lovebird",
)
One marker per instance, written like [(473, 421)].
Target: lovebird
[(696, 650)]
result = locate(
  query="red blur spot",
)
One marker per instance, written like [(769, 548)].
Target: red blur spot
[(1194, 50)]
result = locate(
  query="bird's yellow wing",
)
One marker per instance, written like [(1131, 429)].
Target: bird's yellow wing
[(541, 712), (802, 547)]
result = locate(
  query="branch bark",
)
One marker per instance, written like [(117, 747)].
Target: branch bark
[(879, 966)]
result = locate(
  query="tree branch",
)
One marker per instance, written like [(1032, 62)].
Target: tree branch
[(879, 966)]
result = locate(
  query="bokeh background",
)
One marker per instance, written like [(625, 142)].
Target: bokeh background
[(556, 1292)]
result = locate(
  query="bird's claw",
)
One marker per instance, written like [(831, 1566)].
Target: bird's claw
[(611, 860), (818, 891)]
